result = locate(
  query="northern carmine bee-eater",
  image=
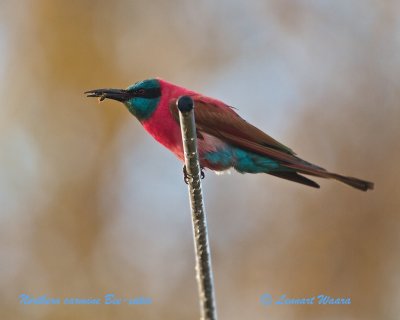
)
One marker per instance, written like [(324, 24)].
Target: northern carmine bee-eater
[(225, 140)]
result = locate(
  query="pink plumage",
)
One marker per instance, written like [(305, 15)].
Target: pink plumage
[(165, 129)]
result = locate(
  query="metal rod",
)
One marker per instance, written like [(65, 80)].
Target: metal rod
[(204, 274)]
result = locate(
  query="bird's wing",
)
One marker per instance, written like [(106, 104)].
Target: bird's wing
[(219, 120), (223, 122)]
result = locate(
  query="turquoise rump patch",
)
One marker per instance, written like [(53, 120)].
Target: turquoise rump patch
[(243, 161), (222, 158)]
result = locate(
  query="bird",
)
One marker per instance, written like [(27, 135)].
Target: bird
[(224, 139)]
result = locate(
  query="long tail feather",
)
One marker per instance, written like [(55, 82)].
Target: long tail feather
[(351, 181), (294, 176), (354, 182)]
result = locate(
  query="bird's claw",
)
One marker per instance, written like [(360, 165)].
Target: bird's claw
[(202, 175), (187, 176)]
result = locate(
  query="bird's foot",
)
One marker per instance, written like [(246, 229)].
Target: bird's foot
[(202, 175), (187, 176)]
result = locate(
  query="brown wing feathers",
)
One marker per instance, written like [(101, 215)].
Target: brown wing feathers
[(230, 127), (209, 116)]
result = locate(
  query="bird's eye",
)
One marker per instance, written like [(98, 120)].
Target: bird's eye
[(141, 91)]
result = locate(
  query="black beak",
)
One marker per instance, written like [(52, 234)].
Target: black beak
[(114, 94)]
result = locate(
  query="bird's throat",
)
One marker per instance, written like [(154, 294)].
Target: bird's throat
[(142, 108)]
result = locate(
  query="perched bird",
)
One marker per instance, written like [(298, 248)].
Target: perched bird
[(225, 140)]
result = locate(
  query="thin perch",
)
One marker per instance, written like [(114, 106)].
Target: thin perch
[(204, 274)]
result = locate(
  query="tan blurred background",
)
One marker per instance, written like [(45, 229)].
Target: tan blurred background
[(90, 205)]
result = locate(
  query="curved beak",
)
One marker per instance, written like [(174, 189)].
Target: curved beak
[(114, 94)]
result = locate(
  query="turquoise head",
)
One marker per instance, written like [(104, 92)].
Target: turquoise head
[(141, 98)]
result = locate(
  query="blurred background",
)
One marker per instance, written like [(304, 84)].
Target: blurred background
[(90, 204)]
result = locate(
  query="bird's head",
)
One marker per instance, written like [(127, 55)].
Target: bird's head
[(141, 98)]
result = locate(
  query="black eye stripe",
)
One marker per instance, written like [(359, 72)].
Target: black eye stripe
[(149, 93)]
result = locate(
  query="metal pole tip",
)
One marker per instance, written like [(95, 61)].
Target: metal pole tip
[(185, 104)]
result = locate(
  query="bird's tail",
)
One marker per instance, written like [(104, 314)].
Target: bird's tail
[(310, 169), (353, 182)]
